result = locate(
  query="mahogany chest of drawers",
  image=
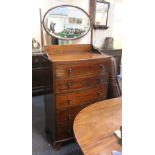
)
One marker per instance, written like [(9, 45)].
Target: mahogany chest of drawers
[(79, 78)]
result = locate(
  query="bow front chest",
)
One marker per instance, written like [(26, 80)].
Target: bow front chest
[(80, 77)]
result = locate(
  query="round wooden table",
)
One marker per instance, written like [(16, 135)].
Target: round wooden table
[(94, 127)]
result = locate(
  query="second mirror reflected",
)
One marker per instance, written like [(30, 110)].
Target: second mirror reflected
[(66, 22)]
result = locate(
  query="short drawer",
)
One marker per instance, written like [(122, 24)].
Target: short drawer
[(81, 69), (72, 84), (82, 97), (64, 131)]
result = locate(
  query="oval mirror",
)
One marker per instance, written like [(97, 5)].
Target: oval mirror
[(66, 22)]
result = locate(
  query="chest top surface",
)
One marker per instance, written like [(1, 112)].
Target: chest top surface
[(80, 52)]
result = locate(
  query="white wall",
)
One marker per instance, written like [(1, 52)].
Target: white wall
[(117, 24), (99, 35), (114, 23)]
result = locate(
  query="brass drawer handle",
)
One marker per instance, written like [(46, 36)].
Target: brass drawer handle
[(69, 71), (69, 85), (99, 94), (69, 117), (100, 80), (69, 101), (102, 67)]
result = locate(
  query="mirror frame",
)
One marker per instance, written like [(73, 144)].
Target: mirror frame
[(43, 23), (92, 12)]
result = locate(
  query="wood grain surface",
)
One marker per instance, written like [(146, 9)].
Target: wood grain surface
[(80, 52), (80, 77), (94, 127)]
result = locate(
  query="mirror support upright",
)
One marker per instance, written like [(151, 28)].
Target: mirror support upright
[(41, 30)]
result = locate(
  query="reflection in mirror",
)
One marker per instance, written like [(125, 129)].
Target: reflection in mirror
[(101, 13), (99, 10), (66, 22)]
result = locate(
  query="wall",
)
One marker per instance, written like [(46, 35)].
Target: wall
[(117, 24), (114, 23), (99, 35)]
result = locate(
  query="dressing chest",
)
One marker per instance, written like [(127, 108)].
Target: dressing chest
[(80, 77)]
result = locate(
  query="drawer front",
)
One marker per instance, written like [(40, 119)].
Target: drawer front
[(81, 97), (67, 116), (72, 84), (81, 69), (64, 131)]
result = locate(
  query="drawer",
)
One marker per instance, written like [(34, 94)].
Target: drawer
[(81, 69), (67, 115), (82, 97), (64, 131), (72, 84)]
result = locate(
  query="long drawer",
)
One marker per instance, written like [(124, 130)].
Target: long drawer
[(82, 97), (73, 84), (67, 115), (81, 69), (64, 121)]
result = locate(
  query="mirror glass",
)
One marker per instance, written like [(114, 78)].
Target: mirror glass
[(66, 22), (101, 14)]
